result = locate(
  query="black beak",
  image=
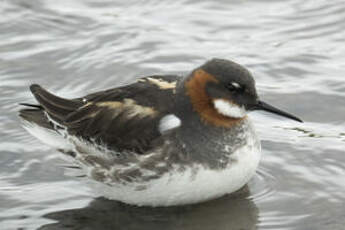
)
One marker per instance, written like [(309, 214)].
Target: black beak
[(266, 107)]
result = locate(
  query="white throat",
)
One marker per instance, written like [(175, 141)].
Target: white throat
[(229, 109)]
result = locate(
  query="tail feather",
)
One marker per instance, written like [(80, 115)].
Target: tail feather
[(56, 107), (55, 100), (31, 105), (35, 116), (40, 125)]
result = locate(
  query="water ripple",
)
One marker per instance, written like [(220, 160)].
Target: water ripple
[(293, 48)]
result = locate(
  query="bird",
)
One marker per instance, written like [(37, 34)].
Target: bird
[(163, 140)]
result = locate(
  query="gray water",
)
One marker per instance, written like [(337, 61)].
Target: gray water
[(295, 49)]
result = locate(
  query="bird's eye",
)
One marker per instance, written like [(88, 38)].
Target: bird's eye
[(234, 86)]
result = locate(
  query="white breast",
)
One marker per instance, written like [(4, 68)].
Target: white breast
[(195, 184)]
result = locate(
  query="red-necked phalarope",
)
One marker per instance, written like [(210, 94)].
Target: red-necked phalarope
[(163, 140)]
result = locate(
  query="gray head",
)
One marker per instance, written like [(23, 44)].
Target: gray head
[(225, 88)]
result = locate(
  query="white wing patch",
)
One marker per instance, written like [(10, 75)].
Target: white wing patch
[(236, 85), (229, 109), (168, 122)]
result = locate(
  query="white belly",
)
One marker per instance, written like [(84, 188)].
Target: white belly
[(193, 185)]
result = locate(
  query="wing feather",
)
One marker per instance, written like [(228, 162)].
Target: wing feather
[(122, 119)]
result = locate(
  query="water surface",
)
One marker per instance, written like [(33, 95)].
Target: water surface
[(295, 49)]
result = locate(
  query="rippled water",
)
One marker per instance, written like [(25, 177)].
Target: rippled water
[(295, 49)]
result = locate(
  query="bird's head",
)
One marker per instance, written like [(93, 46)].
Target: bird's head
[(222, 92)]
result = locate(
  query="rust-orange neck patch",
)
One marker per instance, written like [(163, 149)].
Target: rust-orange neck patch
[(202, 103)]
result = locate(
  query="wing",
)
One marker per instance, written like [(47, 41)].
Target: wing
[(121, 119)]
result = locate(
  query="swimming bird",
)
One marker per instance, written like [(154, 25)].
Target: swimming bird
[(163, 140)]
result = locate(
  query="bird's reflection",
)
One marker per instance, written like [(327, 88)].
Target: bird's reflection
[(229, 212)]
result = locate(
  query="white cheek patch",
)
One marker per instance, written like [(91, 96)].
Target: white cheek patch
[(168, 122), (229, 109)]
